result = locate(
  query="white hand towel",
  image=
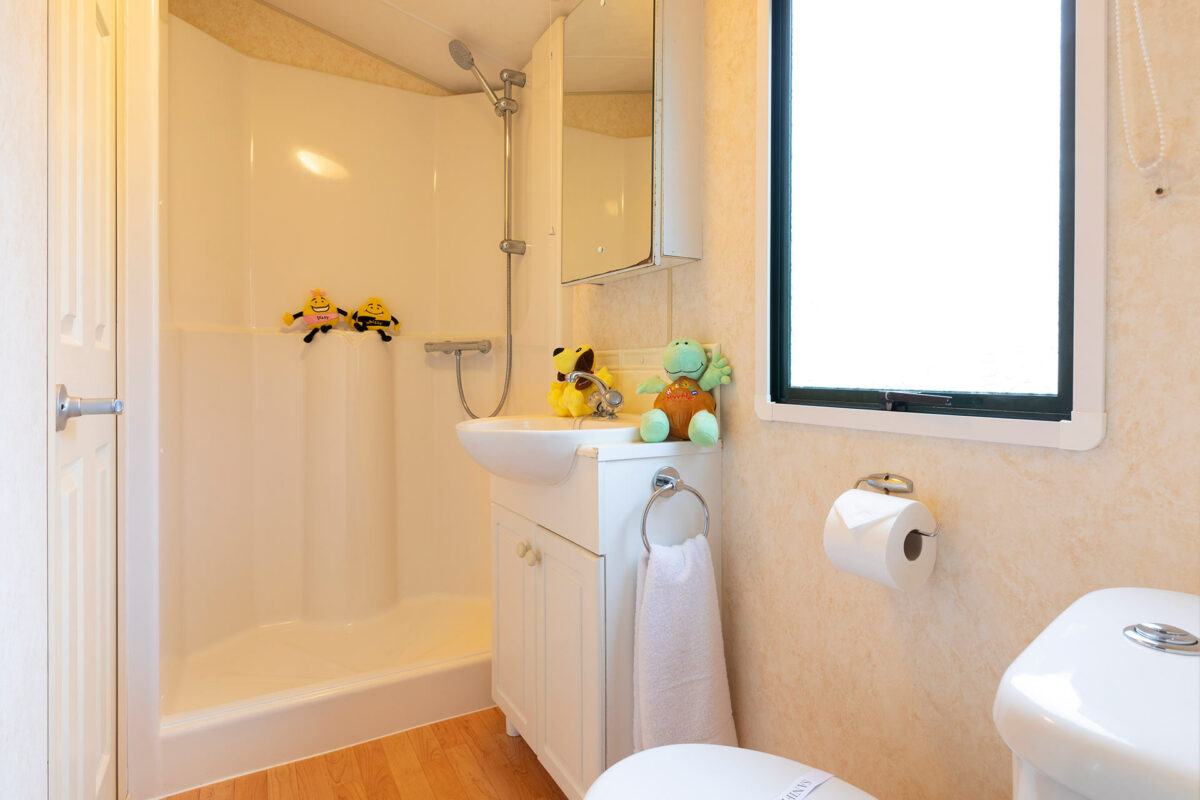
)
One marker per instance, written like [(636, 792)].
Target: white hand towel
[(680, 687), (859, 508)]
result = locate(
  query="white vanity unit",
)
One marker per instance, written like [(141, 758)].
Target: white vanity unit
[(564, 571)]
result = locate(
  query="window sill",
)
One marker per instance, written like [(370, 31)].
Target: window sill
[(1083, 431)]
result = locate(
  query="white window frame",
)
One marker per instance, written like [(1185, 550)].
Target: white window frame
[(1085, 429)]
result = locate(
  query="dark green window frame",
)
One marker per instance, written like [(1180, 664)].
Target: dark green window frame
[(1015, 406)]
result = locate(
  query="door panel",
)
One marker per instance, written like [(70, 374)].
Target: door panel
[(570, 654), (513, 612), (83, 357)]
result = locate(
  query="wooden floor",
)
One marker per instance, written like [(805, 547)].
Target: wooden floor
[(458, 759)]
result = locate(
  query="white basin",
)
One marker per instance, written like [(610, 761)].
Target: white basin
[(537, 448)]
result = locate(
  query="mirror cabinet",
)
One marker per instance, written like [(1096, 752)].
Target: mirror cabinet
[(631, 72)]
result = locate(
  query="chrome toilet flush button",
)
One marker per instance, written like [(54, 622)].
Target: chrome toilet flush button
[(1163, 637)]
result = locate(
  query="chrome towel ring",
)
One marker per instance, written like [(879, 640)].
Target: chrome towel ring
[(667, 482)]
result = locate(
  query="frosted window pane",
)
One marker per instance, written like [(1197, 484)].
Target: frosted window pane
[(925, 195)]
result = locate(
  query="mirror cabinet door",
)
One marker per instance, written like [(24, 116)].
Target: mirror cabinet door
[(607, 148)]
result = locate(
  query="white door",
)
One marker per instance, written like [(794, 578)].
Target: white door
[(82, 557), (514, 667), (570, 609)]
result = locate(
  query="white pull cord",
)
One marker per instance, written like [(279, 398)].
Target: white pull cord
[(1158, 117)]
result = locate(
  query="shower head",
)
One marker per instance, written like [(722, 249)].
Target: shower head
[(462, 56)]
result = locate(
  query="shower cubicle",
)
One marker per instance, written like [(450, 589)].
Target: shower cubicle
[(323, 540)]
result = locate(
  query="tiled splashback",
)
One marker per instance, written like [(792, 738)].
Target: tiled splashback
[(631, 366)]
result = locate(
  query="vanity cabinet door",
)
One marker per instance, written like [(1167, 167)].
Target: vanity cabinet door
[(570, 654), (514, 647)]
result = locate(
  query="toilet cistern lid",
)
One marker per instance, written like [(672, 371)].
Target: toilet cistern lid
[(1106, 706), (709, 772)]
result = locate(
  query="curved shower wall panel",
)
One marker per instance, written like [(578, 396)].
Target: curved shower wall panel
[(321, 581), (281, 451), (349, 478)]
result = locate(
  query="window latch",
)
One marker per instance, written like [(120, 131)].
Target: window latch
[(898, 401)]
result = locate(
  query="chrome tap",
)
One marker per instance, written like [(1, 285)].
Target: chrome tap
[(607, 402)]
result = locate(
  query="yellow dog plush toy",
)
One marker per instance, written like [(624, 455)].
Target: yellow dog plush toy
[(570, 399)]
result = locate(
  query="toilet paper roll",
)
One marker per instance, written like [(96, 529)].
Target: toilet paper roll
[(881, 546)]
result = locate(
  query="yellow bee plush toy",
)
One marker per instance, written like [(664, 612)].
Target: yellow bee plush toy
[(373, 315), (319, 315), (569, 399)]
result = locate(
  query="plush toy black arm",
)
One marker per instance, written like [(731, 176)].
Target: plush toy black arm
[(395, 321), (298, 314), (342, 311), (354, 316)]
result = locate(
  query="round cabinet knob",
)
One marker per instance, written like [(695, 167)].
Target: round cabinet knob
[(532, 557), (522, 549)]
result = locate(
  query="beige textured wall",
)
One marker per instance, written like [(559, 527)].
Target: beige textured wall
[(260, 31), (621, 114), (891, 691)]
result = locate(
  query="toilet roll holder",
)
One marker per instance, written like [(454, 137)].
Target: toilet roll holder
[(890, 483)]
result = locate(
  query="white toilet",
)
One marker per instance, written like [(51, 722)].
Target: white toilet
[(710, 772), (1105, 703)]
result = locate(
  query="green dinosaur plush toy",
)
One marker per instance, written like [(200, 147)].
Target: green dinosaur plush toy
[(684, 408)]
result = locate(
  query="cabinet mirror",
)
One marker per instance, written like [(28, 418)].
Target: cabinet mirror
[(607, 138)]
